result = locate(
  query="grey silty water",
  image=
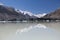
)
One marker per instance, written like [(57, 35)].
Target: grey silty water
[(29, 31)]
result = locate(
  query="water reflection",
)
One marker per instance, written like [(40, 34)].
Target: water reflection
[(30, 28), (27, 31)]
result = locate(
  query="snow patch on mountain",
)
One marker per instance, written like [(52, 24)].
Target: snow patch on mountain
[(40, 15), (30, 14), (24, 12), (18, 10)]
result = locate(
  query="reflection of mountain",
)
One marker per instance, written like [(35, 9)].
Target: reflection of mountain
[(40, 26), (34, 32)]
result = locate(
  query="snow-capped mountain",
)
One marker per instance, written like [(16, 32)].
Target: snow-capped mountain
[(13, 14), (31, 14), (24, 12), (40, 15)]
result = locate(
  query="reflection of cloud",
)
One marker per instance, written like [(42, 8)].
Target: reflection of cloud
[(31, 27)]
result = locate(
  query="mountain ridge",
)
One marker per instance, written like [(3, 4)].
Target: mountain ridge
[(53, 15), (12, 14)]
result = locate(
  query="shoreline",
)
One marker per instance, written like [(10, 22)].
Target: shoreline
[(28, 22)]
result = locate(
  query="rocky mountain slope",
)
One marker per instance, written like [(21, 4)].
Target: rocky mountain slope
[(9, 13), (53, 15)]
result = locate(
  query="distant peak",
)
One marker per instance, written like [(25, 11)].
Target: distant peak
[(1, 3), (27, 12)]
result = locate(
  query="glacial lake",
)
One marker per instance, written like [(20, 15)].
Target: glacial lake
[(30, 31)]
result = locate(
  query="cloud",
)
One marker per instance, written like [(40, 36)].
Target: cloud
[(31, 27), (1, 3)]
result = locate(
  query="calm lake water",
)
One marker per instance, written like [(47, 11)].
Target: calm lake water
[(30, 31)]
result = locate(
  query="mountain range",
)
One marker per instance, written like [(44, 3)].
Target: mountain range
[(12, 14)]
